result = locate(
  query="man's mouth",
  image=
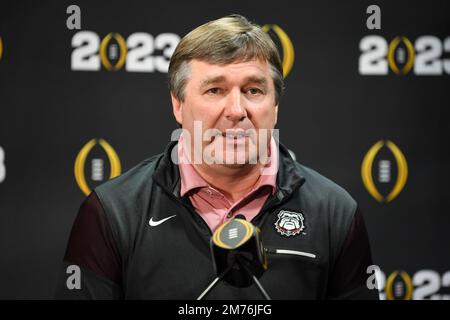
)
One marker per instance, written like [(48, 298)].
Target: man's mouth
[(234, 134)]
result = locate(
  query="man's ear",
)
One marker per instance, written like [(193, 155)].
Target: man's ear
[(177, 108)]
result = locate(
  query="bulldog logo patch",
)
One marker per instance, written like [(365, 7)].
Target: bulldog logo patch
[(289, 223)]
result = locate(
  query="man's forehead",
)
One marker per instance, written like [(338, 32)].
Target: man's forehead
[(253, 70), (209, 80)]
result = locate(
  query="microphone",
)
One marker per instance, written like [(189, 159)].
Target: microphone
[(236, 245), (238, 255)]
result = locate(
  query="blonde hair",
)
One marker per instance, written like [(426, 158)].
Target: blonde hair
[(223, 41)]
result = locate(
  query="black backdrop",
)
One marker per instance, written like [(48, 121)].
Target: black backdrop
[(334, 111)]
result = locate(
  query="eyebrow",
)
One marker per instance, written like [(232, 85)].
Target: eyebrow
[(212, 80), (218, 79), (256, 79)]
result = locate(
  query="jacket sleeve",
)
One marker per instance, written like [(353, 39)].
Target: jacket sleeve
[(92, 265), (349, 274)]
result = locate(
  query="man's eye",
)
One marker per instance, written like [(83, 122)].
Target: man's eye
[(255, 91), (213, 91)]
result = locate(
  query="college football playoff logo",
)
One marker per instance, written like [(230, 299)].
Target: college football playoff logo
[(289, 223)]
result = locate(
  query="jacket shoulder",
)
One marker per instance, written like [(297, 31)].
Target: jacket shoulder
[(321, 189), (131, 183), (126, 198), (330, 203)]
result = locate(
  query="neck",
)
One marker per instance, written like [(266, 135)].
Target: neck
[(233, 182)]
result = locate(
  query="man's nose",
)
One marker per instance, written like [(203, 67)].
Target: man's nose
[(235, 111)]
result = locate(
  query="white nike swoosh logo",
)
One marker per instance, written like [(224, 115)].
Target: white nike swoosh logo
[(157, 223)]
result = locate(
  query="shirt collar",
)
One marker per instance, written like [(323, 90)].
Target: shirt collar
[(190, 178)]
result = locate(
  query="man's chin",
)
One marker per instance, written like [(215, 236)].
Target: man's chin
[(234, 165)]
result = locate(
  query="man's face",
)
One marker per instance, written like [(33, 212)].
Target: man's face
[(231, 98)]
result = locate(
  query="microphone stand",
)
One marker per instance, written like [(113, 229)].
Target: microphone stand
[(252, 276), (214, 283), (221, 276)]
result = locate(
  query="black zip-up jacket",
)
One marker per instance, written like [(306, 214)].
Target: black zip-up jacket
[(121, 256)]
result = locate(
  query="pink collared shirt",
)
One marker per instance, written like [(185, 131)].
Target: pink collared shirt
[(212, 205)]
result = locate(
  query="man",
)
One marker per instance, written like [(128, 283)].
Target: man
[(146, 234)]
